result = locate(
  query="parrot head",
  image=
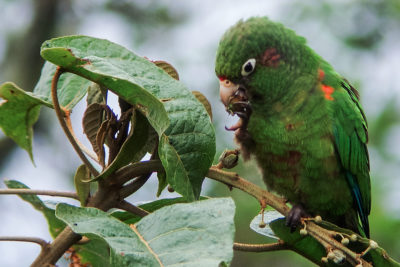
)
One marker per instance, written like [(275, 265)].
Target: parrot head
[(256, 61)]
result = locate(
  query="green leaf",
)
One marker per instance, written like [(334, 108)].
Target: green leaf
[(203, 100), (108, 64), (55, 225), (71, 88), (19, 110), (188, 145), (131, 218), (96, 252), (196, 234), (82, 188), (162, 182)]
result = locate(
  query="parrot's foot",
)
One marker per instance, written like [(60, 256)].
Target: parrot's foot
[(294, 217)]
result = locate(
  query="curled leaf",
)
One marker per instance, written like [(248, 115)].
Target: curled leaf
[(82, 188), (202, 99), (91, 122), (168, 68), (95, 94)]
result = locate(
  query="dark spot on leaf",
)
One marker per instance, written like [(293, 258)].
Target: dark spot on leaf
[(75, 224), (12, 91), (289, 127), (87, 62)]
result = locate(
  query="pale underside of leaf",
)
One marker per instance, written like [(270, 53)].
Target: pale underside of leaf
[(269, 216)]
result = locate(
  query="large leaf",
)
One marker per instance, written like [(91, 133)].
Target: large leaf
[(131, 218), (55, 225), (107, 64), (187, 147), (19, 110), (195, 234)]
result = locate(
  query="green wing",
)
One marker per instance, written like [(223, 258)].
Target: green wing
[(351, 137)]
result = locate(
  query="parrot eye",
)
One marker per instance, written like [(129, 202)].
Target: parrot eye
[(248, 66)]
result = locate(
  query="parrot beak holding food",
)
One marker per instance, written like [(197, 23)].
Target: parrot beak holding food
[(227, 89), (234, 97)]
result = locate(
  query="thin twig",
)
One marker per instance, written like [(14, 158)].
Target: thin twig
[(260, 247), (125, 205), (43, 243), (38, 192), (60, 116)]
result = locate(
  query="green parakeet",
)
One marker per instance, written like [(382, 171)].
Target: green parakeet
[(301, 121)]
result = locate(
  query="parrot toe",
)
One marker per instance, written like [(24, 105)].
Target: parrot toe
[(294, 217)]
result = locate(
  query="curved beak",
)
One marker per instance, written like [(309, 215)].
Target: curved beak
[(227, 89)]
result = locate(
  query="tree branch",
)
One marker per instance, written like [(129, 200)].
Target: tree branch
[(134, 186), (81, 146), (125, 205), (136, 169), (60, 115), (322, 235), (57, 248), (43, 243), (104, 199), (280, 245), (38, 192), (263, 196)]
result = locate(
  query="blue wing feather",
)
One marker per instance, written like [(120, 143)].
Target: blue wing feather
[(351, 136)]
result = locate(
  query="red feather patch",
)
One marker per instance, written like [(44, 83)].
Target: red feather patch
[(270, 58), (321, 74), (328, 91)]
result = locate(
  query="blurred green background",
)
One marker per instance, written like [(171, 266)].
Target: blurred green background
[(359, 38)]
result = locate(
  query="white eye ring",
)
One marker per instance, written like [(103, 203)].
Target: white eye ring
[(248, 67)]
